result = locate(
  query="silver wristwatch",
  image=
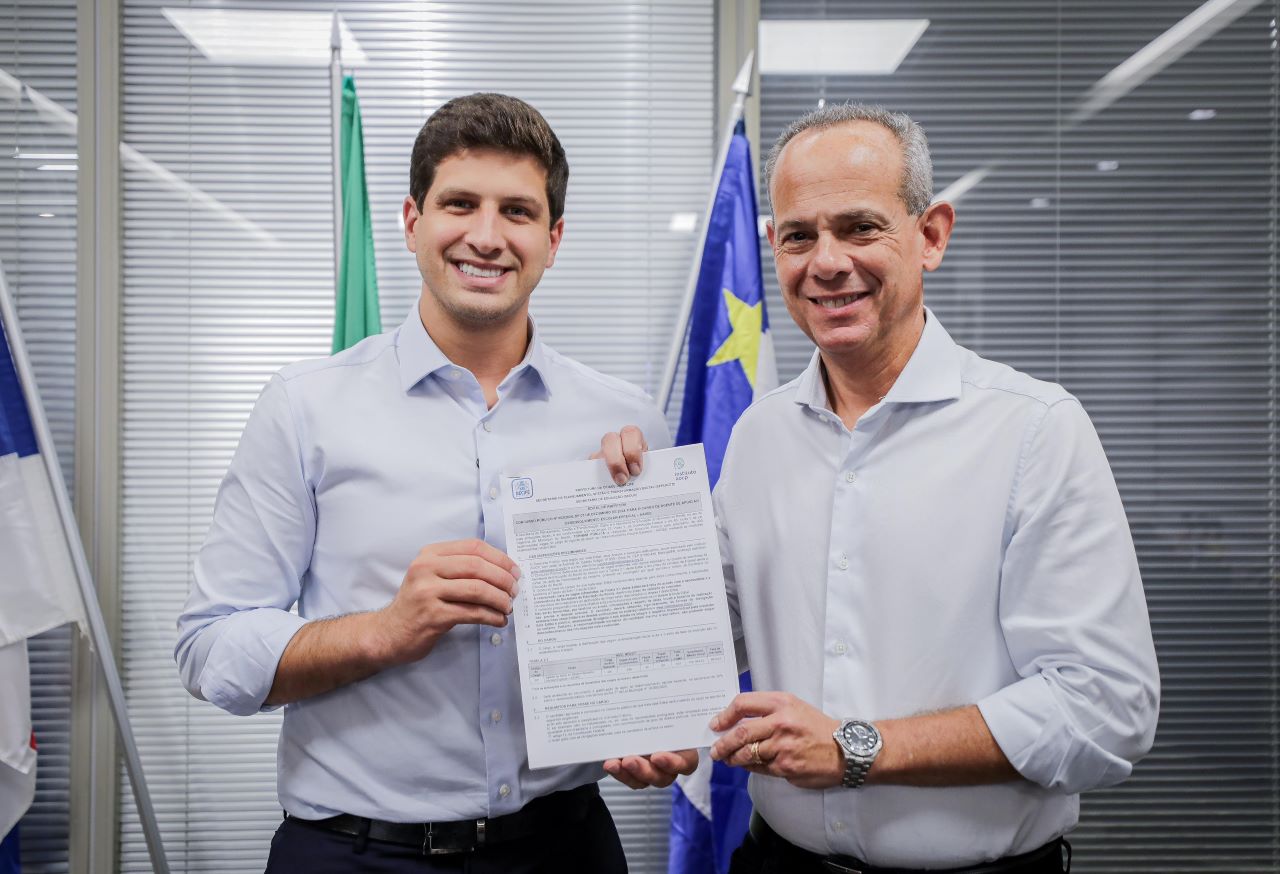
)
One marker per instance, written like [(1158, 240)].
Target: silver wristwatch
[(859, 743)]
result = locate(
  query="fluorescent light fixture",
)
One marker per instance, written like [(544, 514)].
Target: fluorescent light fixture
[(1202, 114), (46, 215), (866, 47), (264, 38), (1040, 203), (1108, 166), (63, 168), (683, 222), (45, 156)]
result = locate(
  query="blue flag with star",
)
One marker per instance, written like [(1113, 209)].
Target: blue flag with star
[(730, 363), (730, 356)]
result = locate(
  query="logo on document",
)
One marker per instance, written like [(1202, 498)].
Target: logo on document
[(679, 463), (521, 488)]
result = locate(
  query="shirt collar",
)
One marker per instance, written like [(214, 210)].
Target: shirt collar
[(932, 373), (420, 357)]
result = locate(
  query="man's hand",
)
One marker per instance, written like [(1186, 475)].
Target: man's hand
[(623, 453), (658, 769), (777, 734), (460, 582), (448, 584)]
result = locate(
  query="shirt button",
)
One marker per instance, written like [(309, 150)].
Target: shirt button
[(485, 425), (838, 825), (496, 716), (850, 477), (493, 492), (504, 790), (495, 639), (841, 649), (455, 373), (843, 563)]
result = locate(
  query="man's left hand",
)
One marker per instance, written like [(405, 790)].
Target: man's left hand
[(777, 734), (658, 769)]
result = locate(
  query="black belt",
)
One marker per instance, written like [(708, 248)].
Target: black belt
[(467, 835), (1034, 862)]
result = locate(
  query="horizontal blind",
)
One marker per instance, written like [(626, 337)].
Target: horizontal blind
[(37, 248), (1132, 259), (216, 302)]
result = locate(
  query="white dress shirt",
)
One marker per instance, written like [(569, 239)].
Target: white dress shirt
[(349, 466), (964, 543)]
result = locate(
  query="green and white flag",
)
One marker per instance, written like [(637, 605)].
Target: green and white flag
[(356, 313)]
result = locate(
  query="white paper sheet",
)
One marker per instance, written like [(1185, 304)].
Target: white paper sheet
[(622, 627)]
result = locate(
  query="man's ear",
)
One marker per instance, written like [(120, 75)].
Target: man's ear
[(557, 233), (770, 232), (935, 226), (410, 216)]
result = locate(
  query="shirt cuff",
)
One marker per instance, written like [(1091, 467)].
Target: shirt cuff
[(241, 666), (1039, 739)]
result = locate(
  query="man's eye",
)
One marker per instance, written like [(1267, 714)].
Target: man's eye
[(795, 237), (457, 203), (518, 211)]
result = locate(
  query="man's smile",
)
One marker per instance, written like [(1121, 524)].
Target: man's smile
[(838, 303), (480, 273)]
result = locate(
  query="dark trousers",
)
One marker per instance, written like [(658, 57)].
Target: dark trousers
[(766, 852), (586, 846)]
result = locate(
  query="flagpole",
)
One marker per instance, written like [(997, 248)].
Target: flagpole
[(741, 87), (335, 117), (98, 638)]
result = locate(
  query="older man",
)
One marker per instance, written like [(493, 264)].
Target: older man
[(925, 550)]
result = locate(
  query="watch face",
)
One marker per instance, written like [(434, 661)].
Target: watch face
[(861, 737)]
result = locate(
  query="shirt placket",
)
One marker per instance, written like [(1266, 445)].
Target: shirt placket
[(845, 653), (498, 691)]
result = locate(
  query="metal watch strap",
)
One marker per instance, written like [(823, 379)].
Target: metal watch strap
[(855, 771)]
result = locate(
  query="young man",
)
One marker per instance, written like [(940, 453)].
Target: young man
[(942, 602), (365, 491)]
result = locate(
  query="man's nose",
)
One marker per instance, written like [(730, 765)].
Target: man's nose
[(484, 233), (829, 260)]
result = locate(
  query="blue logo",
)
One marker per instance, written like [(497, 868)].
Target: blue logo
[(522, 488)]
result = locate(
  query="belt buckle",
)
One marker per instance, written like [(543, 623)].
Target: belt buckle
[(837, 868), (429, 847)]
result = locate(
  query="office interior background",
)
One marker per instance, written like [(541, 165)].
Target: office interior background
[(166, 227)]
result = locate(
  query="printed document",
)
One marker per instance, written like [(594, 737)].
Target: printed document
[(622, 627)]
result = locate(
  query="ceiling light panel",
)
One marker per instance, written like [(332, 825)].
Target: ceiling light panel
[(869, 47), (264, 37)]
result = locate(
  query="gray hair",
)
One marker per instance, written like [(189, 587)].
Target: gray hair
[(916, 190)]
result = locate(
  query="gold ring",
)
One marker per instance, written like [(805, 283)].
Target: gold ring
[(755, 753)]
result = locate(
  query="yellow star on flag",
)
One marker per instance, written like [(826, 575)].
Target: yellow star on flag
[(743, 344)]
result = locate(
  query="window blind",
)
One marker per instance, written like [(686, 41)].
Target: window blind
[(217, 300), (37, 248), (1130, 257)]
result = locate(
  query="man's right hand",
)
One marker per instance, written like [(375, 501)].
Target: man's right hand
[(623, 453), (461, 582), (455, 583)]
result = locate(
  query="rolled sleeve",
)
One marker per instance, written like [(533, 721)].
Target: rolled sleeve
[(236, 623), (1074, 618)]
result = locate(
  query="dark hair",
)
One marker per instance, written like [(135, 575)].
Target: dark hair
[(488, 121)]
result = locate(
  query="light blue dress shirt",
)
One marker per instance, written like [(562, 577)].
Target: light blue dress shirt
[(964, 543), (348, 467)]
